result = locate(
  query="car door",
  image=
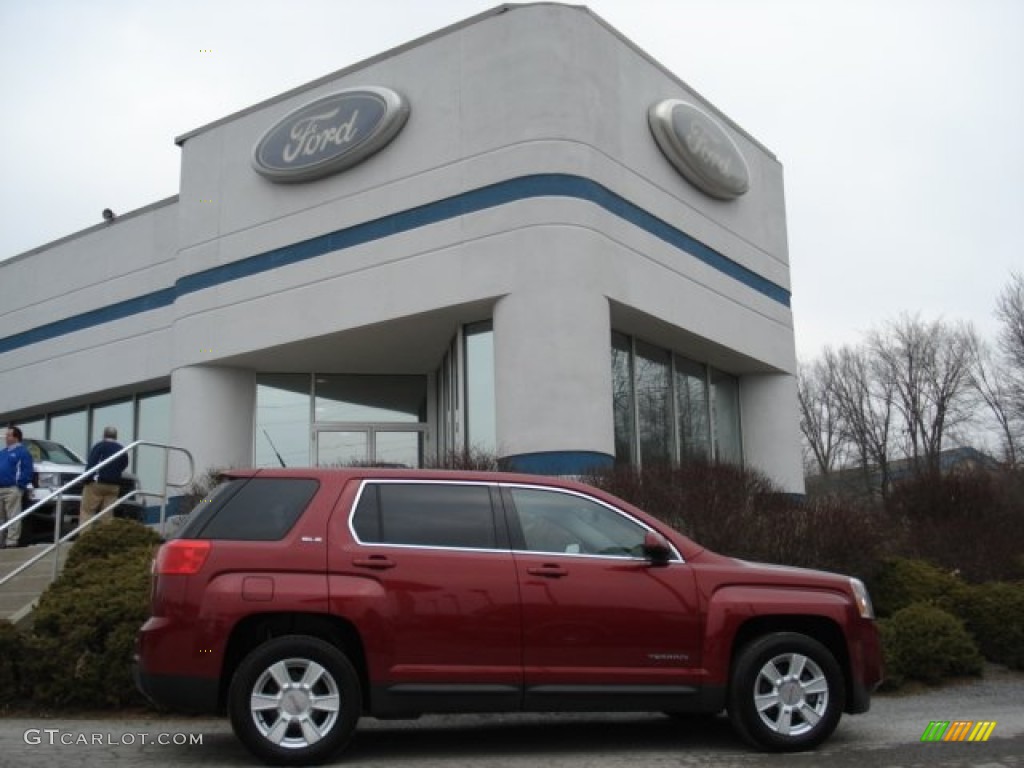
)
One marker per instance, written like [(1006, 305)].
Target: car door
[(430, 574), (600, 619)]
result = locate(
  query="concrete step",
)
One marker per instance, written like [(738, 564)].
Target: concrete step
[(18, 596)]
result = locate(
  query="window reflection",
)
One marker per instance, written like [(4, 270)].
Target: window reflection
[(342, 448), (398, 449), (71, 429), (622, 398), (725, 400), (34, 428), (464, 384), (669, 408), (282, 420), (369, 399), (653, 404), (692, 409), (154, 425), (481, 428)]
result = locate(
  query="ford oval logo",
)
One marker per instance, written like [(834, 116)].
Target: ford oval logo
[(330, 134), (699, 148)]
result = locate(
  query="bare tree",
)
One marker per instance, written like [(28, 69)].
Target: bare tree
[(1010, 311), (867, 408), (929, 366), (820, 417), (991, 380)]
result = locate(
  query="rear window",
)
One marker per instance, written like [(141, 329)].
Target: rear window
[(426, 514), (251, 509)]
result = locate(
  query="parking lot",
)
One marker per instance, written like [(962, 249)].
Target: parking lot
[(889, 735)]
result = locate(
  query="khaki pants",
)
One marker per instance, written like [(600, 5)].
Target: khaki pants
[(10, 507), (95, 497)]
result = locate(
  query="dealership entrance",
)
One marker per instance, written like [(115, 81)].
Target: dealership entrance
[(380, 444)]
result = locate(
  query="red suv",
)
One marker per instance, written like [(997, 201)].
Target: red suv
[(300, 600)]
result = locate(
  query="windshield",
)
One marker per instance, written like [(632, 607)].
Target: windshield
[(46, 450)]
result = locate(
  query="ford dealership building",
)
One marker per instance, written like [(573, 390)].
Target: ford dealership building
[(519, 234)]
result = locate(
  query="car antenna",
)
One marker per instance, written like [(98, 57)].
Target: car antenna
[(274, 447)]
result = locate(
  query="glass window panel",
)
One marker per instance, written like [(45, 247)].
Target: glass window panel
[(366, 519), (481, 428), (566, 523), (34, 428), (622, 399), (725, 401), (155, 426), (261, 509), (71, 429), (398, 449), (445, 405), (654, 404), (692, 409), (342, 448), (282, 420), (119, 415), (365, 399), (440, 515)]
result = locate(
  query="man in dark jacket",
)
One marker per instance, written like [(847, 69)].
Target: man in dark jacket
[(15, 477), (103, 487)]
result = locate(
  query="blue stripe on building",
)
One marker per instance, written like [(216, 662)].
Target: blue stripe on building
[(465, 203)]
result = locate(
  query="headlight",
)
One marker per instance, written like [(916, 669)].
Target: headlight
[(49, 480), (860, 595)]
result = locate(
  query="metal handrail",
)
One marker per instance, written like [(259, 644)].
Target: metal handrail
[(78, 479), (58, 516), (50, 547)]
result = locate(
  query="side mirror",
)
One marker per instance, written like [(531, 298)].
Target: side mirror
[(656, 548)]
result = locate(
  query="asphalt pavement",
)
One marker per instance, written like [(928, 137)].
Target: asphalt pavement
[(889, 735)]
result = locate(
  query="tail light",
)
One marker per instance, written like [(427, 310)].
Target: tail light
[(182, 557)]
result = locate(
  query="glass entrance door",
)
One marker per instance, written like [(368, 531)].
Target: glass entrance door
[(342, 448), (378, 444)]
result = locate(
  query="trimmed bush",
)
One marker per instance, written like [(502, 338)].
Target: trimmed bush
[(994, 615), (102, 539), (84, 627), (923, 642), (12, 659), (899, 582)]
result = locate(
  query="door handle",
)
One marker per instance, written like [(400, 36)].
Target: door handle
[(548, 571), (376, 562)]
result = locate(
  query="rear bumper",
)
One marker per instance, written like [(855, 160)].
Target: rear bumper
[(191, 695)]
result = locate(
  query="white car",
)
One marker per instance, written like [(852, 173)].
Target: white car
[(53, 466)]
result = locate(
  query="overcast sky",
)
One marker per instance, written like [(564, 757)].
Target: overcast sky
[(899, 123)]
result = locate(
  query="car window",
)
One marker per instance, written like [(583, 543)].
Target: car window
[(554, 521), (47, 450), (251, 509), (426, 514)]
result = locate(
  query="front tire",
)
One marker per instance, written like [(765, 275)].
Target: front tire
[(787, 693), (295, 700)]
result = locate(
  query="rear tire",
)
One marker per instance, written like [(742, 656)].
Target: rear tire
[(787, 693), (295, 700)]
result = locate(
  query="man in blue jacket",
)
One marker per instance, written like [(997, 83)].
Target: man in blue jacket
[(103, 487), (15, 478)]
